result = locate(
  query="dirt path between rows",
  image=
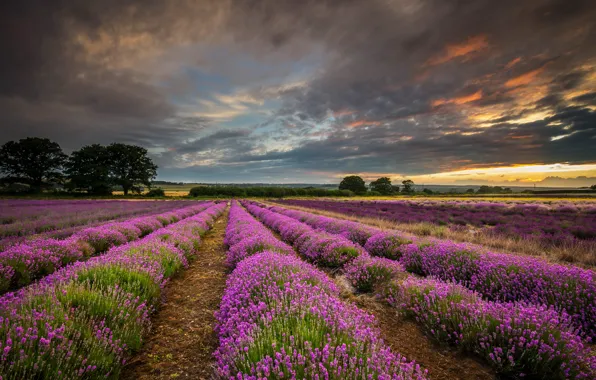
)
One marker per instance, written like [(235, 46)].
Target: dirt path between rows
[(182, 340)]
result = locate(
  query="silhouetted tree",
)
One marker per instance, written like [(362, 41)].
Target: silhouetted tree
[(130, 166), (89, 169), (33, 160), (382, 186), (353, 183), (408, 186)]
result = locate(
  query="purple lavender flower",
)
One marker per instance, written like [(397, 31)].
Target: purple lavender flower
[(367, 273), (516, 339), (387, 244), (282, 318), (85, 319), (505, 277)]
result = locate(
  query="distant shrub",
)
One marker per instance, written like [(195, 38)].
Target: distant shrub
[(213, 191), (367, 273), (158, 192)]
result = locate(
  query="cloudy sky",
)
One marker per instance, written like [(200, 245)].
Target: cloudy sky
[(440, 91)]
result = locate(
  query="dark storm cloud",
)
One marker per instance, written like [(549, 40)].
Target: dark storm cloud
[(227, 139), (62, 74), (589, 98), (386, 149), (382, 46), (83, 72)]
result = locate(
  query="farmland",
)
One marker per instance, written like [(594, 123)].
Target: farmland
[(559, 230), (297, 289)]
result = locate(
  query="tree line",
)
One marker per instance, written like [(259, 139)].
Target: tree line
[(381, 186), (40, 163), (265, 191)]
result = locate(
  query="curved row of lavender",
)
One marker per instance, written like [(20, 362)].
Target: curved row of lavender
[(245, 236), (84, 320), (517, 339), (17, 210), (553, 226), (281, 318), (12, 210), (27, 262), (496, 276), (365, 273), (63, 233), (94, 221), (19, 222), (318, 247)]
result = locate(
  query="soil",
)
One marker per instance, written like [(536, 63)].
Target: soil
[(182, 341)]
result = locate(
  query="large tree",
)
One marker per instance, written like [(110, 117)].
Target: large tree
[(382, 186), (33, 160), (130, 166), (89, 169), (353, 183)]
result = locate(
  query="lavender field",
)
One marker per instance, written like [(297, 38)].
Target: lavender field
[(565, 230), (297, 294)]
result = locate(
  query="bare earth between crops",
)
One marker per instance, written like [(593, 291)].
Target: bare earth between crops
[(182, 341)]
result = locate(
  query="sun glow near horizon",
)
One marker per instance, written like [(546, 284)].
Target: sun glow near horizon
[(513, 175)]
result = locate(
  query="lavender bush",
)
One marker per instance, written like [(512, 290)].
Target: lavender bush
[(85, 319), (376, 241), (503, 277), (242, 244), (22, 218), (558, 224), (282, 319), (316, 246), (496, 276), (367, 273), (388, 244), (34, 259), (520, 341)]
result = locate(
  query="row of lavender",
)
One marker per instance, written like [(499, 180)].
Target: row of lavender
[(281, 318), (26, 262), (517, 339), (13, 210), (495, 276), (20, 222), (85, 319), (563, 225)]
